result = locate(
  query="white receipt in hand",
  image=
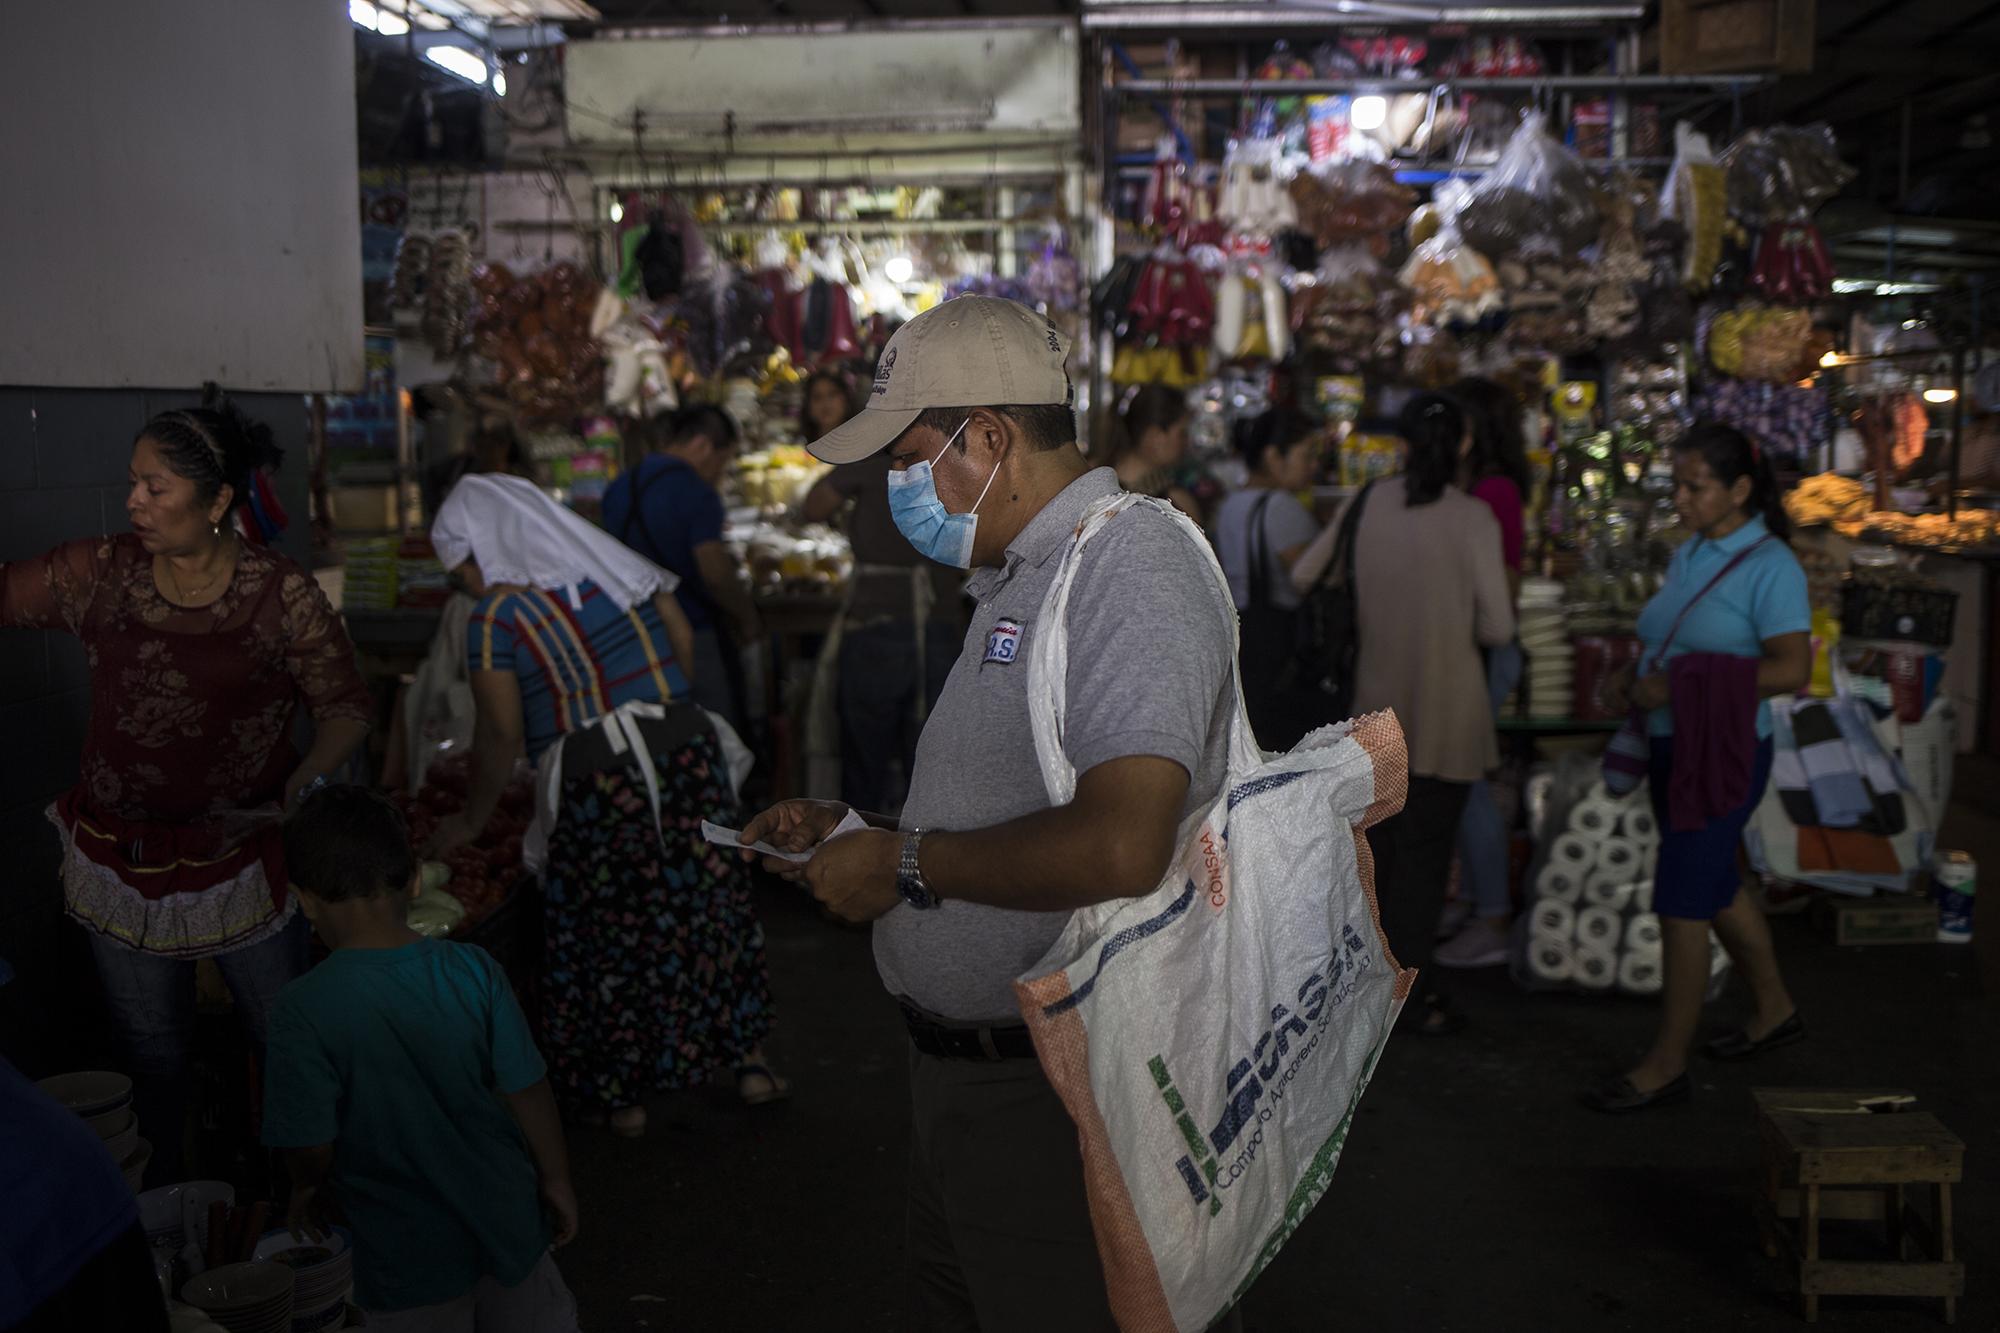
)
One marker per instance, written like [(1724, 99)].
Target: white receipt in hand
[(732, 838)]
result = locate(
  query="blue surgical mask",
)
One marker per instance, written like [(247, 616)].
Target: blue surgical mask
[(921, 517)]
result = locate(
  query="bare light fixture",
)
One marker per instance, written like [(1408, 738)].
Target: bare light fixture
[(376, 19), (457, 60)]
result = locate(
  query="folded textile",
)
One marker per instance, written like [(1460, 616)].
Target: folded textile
[(1715, 736)]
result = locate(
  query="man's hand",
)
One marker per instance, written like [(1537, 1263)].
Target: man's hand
[(854, 876), (792, 826), (305, 1216), (559, 1197)]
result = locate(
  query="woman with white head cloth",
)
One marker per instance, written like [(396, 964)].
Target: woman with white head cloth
[(578, 654)]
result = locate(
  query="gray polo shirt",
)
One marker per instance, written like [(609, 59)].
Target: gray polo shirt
[(1151, 638)]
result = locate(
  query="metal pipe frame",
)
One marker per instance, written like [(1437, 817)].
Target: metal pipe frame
[(1153, 16), (1226, 88)]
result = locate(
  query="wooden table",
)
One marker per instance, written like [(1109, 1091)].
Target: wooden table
[(1828, 1157)]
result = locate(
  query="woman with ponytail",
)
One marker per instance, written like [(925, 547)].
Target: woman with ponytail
[(204, 646), (1729, 629)]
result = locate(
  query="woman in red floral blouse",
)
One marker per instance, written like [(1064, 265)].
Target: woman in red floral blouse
[(202, 646)]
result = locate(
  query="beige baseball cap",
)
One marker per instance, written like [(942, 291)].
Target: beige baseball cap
[(975, 351)]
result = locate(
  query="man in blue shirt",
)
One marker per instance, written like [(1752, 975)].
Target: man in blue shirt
[(669, 510)]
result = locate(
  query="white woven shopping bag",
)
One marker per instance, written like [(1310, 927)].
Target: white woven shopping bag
[(1212, 1038)]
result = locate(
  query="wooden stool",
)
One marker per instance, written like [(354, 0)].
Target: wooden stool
[(1827, 1156)]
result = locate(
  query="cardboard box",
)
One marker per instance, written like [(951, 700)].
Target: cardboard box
[(1736, 36), (1892, 918)]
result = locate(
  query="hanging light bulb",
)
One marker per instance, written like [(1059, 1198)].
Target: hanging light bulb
[(1940, 395), (617, 211), (1828, 360), (899, 270), (1368, 112)]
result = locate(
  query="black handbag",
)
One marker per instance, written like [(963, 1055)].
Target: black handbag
[(1330, 619), (1281, 682)]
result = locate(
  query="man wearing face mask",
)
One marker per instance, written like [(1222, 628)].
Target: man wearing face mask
[(977, 880)]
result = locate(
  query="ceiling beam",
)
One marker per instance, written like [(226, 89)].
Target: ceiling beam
[(1851, 61)]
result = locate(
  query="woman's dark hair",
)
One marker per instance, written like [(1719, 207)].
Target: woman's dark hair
[(1434, 428), (807, 428), (348, 842), (213, 445), (1730, 454), (1277, 428), (1148, 407), (1498, 450)]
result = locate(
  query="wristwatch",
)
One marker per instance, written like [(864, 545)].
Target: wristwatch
[(910, 876)]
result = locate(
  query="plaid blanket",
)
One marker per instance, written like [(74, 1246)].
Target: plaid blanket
[(1839, 812)]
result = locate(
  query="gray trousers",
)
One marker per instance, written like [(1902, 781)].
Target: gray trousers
[(999, 1231)]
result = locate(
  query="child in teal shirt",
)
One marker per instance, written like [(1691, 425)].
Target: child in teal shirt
[(403, 1083)]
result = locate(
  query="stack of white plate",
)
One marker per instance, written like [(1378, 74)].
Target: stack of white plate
[(104, 1101), (322, 1273), (1549, 680), (244, 1298)]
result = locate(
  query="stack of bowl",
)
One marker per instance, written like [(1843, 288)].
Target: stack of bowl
[(104, 1100), (244, 1298), (322, 1272)]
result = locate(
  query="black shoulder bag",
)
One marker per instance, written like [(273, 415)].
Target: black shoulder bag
[(1329, 617)]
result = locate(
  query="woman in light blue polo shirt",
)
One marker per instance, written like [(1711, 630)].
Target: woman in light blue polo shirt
[(1738, 594)]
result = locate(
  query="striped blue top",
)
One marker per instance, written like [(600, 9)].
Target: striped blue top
[(575, 662)]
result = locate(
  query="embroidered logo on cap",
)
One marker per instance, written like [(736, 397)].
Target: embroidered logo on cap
[(882, 372), (1003, 642)]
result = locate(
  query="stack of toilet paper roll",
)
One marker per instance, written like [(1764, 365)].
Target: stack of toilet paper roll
[(1590, 920)]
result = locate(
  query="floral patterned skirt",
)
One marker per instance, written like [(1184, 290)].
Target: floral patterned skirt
[(655, 976)]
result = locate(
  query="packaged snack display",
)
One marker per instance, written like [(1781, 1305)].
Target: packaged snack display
[(1784, 173), (1697, 197), (1538, 199), (1343, 201)]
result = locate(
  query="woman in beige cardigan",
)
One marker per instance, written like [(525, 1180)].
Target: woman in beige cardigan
[(1431, 592)]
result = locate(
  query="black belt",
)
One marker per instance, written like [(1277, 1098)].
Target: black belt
[(949, 1043)]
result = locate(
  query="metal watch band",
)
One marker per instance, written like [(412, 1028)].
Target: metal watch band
[(910, 876)]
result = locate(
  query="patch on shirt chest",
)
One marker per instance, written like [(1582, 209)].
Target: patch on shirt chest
[(1003, 641)]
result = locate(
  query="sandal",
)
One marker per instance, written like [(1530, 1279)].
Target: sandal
[(774, 1089), (1740, 1045), (1621, 1095)]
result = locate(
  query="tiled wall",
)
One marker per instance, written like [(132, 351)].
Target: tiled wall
[(63, 454)]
